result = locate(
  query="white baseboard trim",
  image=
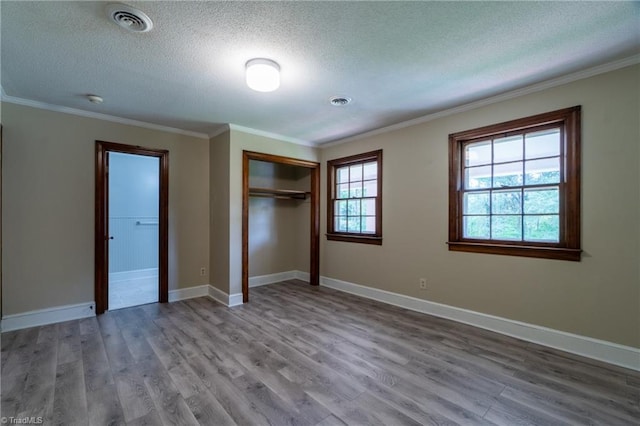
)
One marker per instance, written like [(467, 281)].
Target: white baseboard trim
[(206, 290), (133, 275), (259, 280), (612, 353), (224, 298), (47, 316), (188, 293), (218, 295), (303, 276), (235, 300)]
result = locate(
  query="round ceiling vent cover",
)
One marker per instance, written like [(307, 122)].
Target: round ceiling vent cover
[(339, 101), (129, 18)]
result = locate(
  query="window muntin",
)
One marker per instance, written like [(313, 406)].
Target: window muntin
[(355, 199), (515, 187), (509, 195)]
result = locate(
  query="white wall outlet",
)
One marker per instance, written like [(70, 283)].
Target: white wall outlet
[(202, 272), (423, 283)]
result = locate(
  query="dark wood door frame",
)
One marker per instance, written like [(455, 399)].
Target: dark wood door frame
[(314, 266), (102, 220)]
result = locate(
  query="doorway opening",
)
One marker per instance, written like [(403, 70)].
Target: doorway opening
[(131, 226)]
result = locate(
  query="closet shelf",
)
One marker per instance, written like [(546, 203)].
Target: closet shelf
[(278, 193)]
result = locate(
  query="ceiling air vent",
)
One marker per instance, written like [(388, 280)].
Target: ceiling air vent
[(129, 18), (339, 101)]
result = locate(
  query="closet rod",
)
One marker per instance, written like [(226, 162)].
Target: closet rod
[(278, 193)]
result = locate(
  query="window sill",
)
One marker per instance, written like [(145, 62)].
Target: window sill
[(557, 253), (362, 239)]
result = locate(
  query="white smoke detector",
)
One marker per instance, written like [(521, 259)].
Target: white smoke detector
[(129, 18), (95, 99)]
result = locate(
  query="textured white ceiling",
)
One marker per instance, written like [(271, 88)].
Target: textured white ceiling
[(397, 60)]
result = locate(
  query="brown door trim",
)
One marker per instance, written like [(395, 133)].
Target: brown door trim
[(314, 266), (102, 222)]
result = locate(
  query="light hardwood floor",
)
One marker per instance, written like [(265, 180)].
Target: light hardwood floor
[(132, 291), (300, 355)]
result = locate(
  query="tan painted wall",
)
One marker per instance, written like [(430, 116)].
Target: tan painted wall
[(272, 235), (219, 211), (48, 202), (303, 240), (597, 297), (244, 141), (275, 238)]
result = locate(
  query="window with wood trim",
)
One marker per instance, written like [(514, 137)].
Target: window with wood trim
[(354, 205), (514, 187)]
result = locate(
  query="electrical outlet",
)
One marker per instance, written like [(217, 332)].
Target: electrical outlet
[(423, 283), (202, 272)]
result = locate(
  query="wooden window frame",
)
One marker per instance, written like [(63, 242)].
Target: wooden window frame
[(568, 246), (332, 166)]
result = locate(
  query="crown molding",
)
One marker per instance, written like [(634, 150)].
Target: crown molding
[(271, 135), (559, 81), (569, 78), (105, 117), (219, 130)]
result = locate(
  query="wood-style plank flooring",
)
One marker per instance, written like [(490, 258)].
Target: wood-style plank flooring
[(300, 355)]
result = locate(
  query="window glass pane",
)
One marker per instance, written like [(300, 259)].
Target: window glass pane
[(542, 171), (542, 228), (506, 227), (354, 194), (355, 173), (355, 189), (342, 174), (343, 190), (341, 208), (507, 149), (542, 144), (477, 153), (476, 203), (368, 225), (476, 227), (509, 174), (368, 207), (353, 224), (506, 202), (370, 188), (370, 171), (353, 207), (545, 200), (477, 177)]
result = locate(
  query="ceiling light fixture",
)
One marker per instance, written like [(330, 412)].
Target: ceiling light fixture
[(263, 75)]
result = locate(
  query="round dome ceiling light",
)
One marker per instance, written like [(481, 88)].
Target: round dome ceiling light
[(339, 101), (263, 75), (95, 99), (129, 18)]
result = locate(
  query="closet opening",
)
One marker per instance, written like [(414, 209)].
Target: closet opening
[(280, 217)]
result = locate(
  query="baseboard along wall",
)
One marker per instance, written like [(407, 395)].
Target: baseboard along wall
[(47, 316), (612, 353), (601, 350)]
